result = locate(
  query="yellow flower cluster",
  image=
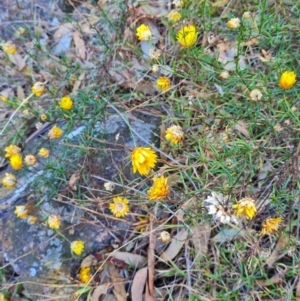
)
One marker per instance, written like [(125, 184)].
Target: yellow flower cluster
[(53, 222), (66, 103), (119, 207), (160, 188), (30, 160), (143, 33), (85, 275), (55, 132), (9, 181), (174, 16), (271, 225), (234, 23), (12, 150), (187, 36), (44, 152), (287, 80), (38, 89), (163, 83), (245, 208), (21, 211), (143, 160), (77, 247), (16, 161), (9, 47), (174, 134)]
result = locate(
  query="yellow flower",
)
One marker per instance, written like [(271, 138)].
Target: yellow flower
[(85, 275), (234, 23), (187, 36), (174, 16), (245, 207), (77, 247), (12, 150), (9, 181), (178, 3), (55, 132), (66, 103), (21, 211), (44, 152), (163, 83), (143, 32), (43, 117), (9, 47), (255, 95), (270, 225), (143, 159), (53, 222), (164, 236), (160, 188), (119, 207), (38, 89), (287, 80), (174, 134), (16, 161), (32, 220), (30, 160), (3, 98)]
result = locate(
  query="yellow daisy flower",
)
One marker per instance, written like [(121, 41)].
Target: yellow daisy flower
[(9, 181), (143, 32), (85, 275), (287, 80), (16, 161), (143, 160), (271, 225), (187, 36), (30, 160), (160, 188), (163, 83), (245, 207), (77, 247), (164, 236), (44, 152), (38, 89), (43, 117), (119, 206), (255, 95), (12, 150), (3, 98), (21, 211), (9, 47), (53, 222), (55, 132), (174, 15), (174, 134), (234, 23), (66, 103)]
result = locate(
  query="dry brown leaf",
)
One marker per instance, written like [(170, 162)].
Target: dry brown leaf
[(118, 283), (64, 29), (131, 259), (281, 244), (138, 284), (18, 60), (241, 127), (77, 83), (226, 55), (20, 93), (175, 246), (100, 290), (79, 45), (87, 261), (274, 280), (200, 237), (148, 296), (73, 180)]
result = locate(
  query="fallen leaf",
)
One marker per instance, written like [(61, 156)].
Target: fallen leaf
[(227, 53), (175, 246), (73, 180), (138, 284), (64, 29), (79, 45), (200, 237), (18, 60), (110, 297), (100, 290), (132, 259), (78, 83), (229, 234), (268, 282), (281, 244), (118, 283), (241, 127), (87, 261)]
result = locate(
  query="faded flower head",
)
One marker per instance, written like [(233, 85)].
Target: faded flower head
[(9, 181), (38, 89), (30, 160), (85, 275), (187, 36), (154, 54), (143, 160), (43, 117), (21, 211), (234, 23), (163, 83), (16, 161), (245, 208), (77, 247), (178, 3), (174, 134), (255, 95), (53, 222), (287, 80), (155, 68), (55, 132), (271, 225), (12, 150), (247, 15), (44, 152), (119, 207), (32, 220), (160, 188), (174, 15), (143, 32), (109, 186), (9, 47), (220, 207), (224, 75), (164, 236), (66, 103)]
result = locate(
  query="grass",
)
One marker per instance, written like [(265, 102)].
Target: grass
[(232, 145)]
